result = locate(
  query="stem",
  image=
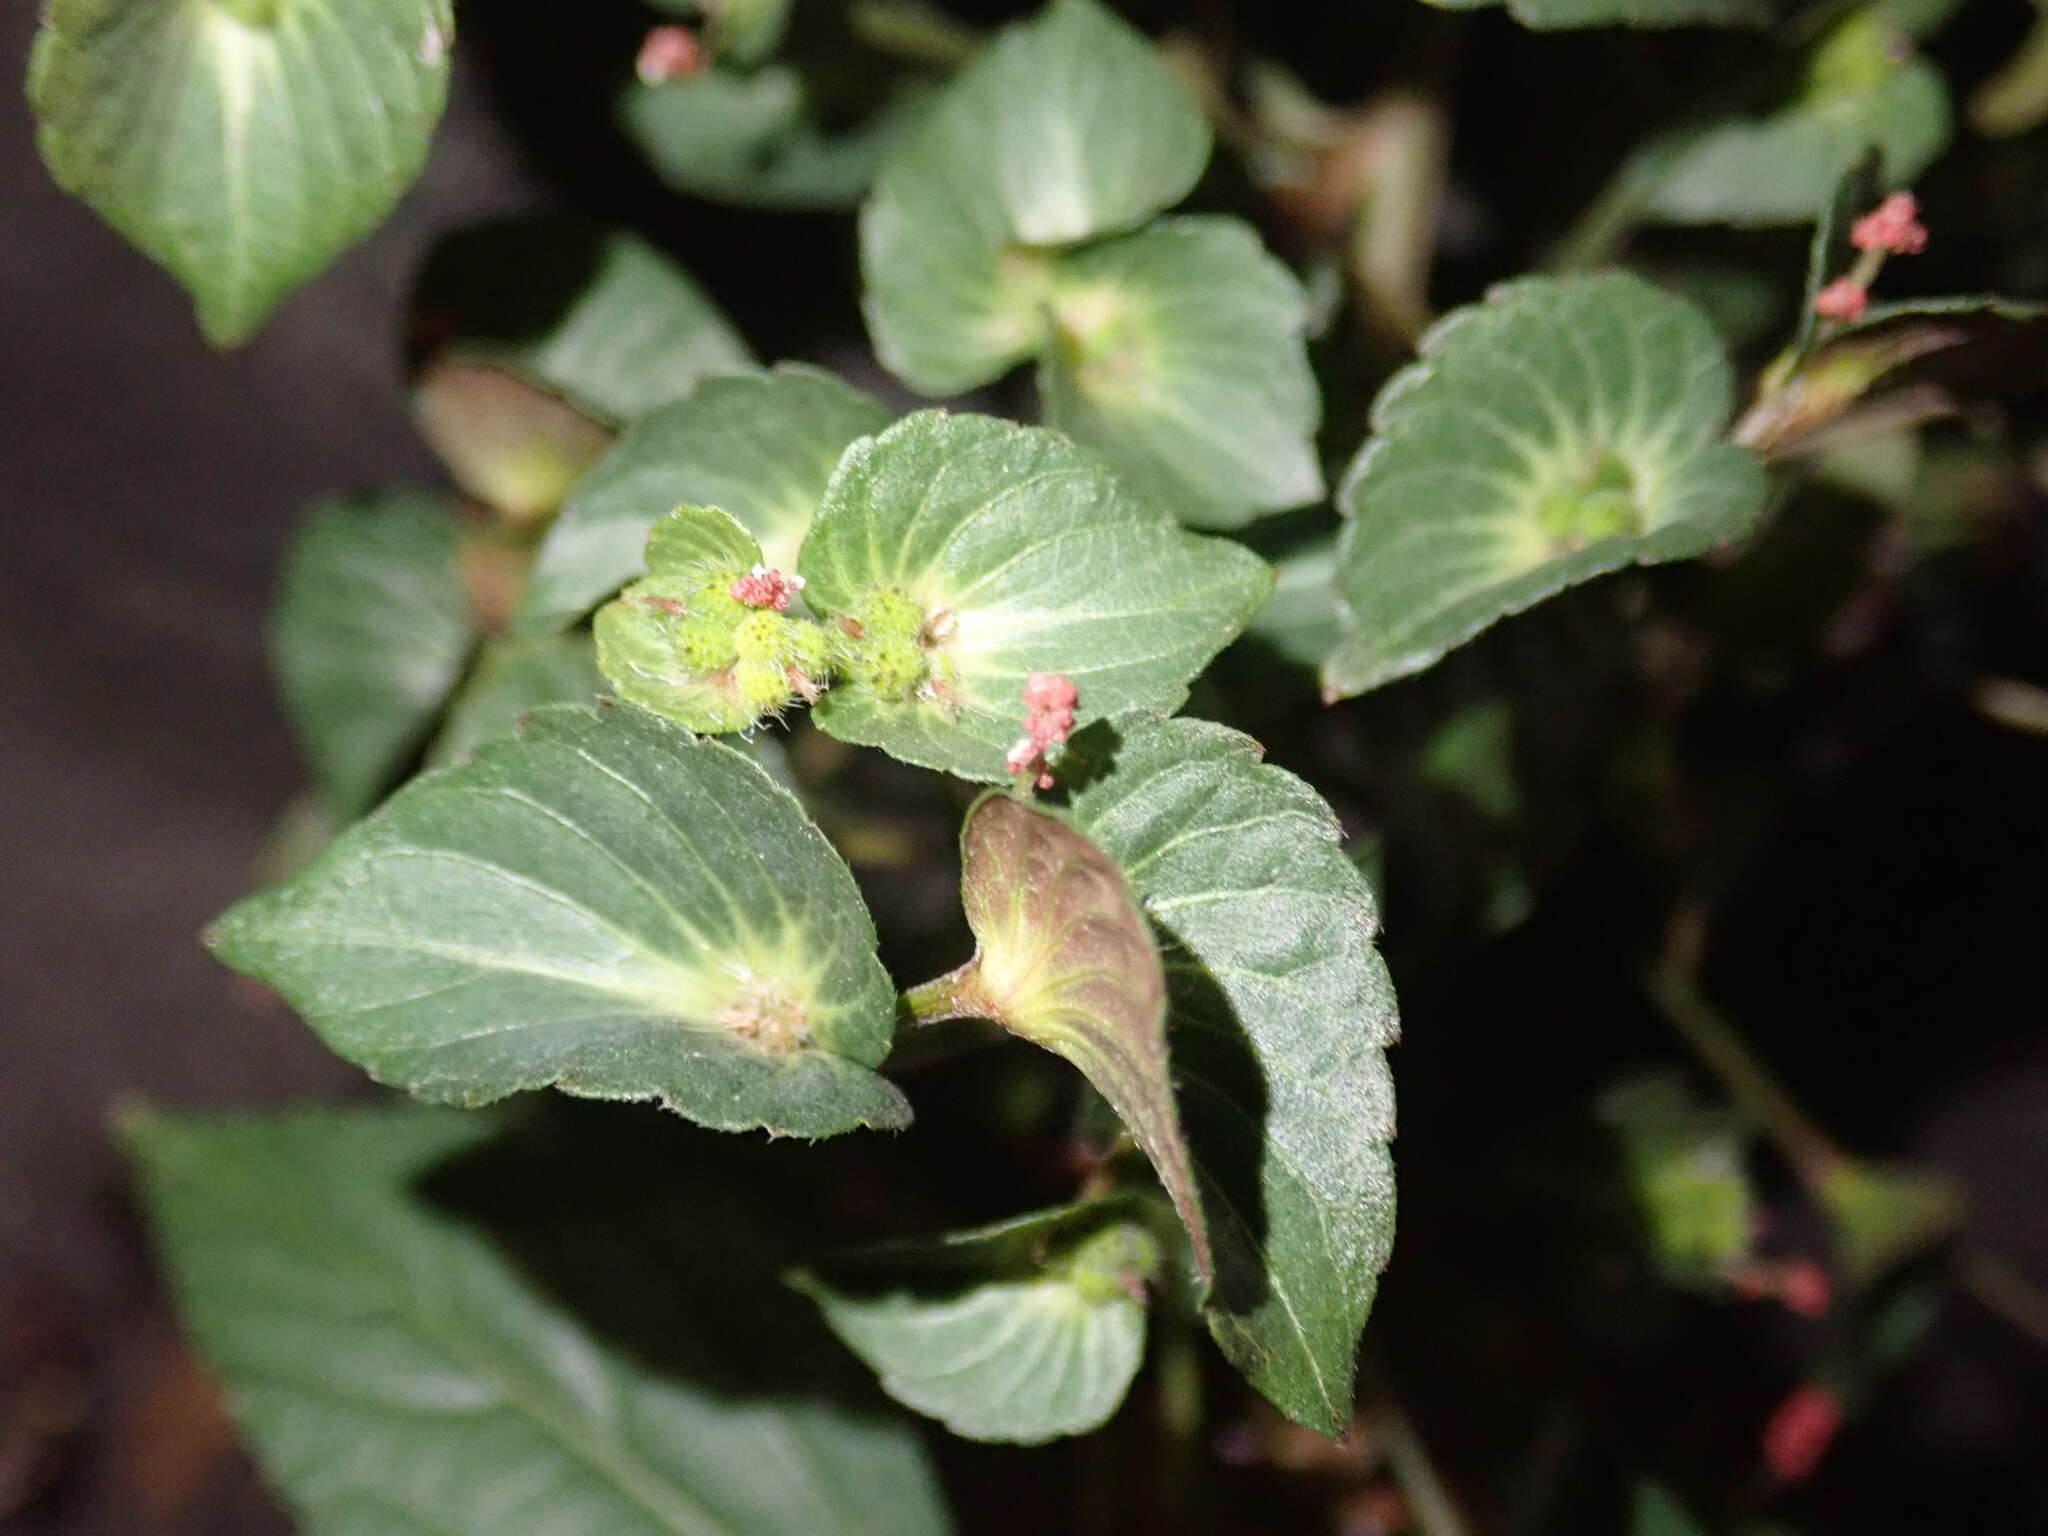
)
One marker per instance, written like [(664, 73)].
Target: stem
[(913, 32), (1179, 1387), (1430, 1504), (1673, 984)]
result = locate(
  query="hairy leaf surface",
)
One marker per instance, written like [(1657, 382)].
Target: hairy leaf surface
[(1560, 429), (602, 904)]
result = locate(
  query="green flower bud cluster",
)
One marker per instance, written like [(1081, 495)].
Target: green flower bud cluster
[(888, 653), (762, 655)]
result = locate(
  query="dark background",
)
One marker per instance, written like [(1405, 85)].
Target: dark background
[(1893, 962)]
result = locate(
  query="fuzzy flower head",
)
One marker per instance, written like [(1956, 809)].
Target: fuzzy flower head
[(763, 588), (669, 53), (1844, 299), (1893, 226), (1049, 702)]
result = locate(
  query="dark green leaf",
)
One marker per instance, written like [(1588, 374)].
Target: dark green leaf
[(370, 633), (1561, 429), (246, 145), (1178, 352), (397, 1374), (1064, 959), (1069, 126), (511, 679), (760, 446), (596, 315), (603, 904), (1022, 1331), (1281, 1011), (1027, 554)]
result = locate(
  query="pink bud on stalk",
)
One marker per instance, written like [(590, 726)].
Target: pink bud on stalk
[(1049, 702), (763, 588), (669, 53), (1844, 299), (1893, 226)]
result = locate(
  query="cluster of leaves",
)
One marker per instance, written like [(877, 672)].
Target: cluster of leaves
[(567, 883)]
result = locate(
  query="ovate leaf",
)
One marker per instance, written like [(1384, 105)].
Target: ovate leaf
[(1549, 15), (761, 446), (1560, 429), (370, 633), (510, 680), (1027, 554), (1063, 958), (1069, 126), (1861, 89), (1280, 1013), (397, 1372), (593, 314), (1022, 1331), (1179, 353), (602, 904), (241, 143)]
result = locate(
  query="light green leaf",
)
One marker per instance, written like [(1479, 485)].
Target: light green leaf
[(511, 679), (1300, 620), (1022, 1331), (398, 1373), (761, 446), (593, 314), (760, 139), (244, 144), (1179, 353), (1684, 1164), (1561, 429), (1552, 15), (1862, 89), (1070, 125), (1063, 959), (1280, 1013), (507, 443), (602, 904), (1026, 554), (370, 633)]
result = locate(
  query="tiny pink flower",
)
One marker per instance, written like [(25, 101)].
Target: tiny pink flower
[(1050, 690), (669, 53), (1799, 1432), (763, 588), (1844, 299), (1049, 702), (1893, 225)]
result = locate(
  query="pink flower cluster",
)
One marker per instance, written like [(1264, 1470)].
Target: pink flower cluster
[(763, 588), (1844, 299), (1049, 701), (1893, 226), (669, 53)]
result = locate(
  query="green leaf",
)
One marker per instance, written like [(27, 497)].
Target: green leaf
[(1280, 1011), (760, 139), (398, 1373), (1861, 89), (1179, 353), (1551, 15), (1684, 1163), (242, 145), (1656, 1513), (507, 443), (1027, 554), (511, 679), (593, 314), (1069, 126), (1064, 959), (761, 446), (1563, 428), (601, 904), (1022, 1331), (370, 633)]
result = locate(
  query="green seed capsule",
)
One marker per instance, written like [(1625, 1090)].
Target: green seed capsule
[(713, 599), (892, 667), (763, 685), (761, 636), (891, 615), (705, 644), (809, 649)]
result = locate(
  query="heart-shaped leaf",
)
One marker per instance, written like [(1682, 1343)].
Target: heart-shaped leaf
[(397, 1370), (1281, 1012), (370, 633), (1024, 553), (602, 904), (1068, 126), (761, 446), (1861, 89), (1178, 352), (1063, 958), (510, 680), (594, 314), (1563, 428), (1022, 1331), (244, 144)]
